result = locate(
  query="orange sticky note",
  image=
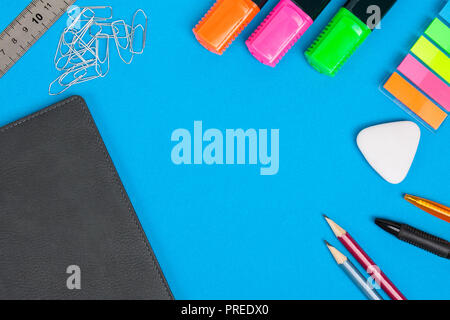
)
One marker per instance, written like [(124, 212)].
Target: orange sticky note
[(415, 101)]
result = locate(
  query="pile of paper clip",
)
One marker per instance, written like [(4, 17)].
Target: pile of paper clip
[(84, 46)]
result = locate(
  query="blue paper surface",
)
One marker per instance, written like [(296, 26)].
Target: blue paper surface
[(225, 231), (445, 12)]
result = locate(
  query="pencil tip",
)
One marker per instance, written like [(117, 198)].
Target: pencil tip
[(338, 256), (337, 230), (326, 243)]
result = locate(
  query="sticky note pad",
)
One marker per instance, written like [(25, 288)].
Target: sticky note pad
[(445, 13), (416, 101), (439, 33), (426, 80), (433, 57)]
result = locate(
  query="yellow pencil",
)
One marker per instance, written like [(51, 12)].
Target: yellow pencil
[(438, 210)]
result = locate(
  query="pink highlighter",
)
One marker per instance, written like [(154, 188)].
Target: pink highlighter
[(281, 29)]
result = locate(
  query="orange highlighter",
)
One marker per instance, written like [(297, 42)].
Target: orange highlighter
[(224, 21)]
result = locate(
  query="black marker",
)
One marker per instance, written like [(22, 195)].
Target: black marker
[(416, 237)]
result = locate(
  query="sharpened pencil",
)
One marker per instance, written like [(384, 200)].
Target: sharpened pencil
[(365, 261), (353, 273)]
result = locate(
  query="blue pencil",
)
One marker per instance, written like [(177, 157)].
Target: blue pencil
[(354, 274)]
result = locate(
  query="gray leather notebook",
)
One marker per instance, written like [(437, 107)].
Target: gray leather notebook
[(67, 227)]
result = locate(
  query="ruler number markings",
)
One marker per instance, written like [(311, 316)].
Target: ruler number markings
[(27, 28)]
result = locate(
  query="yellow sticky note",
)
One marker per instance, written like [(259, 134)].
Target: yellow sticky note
[(433, 57)]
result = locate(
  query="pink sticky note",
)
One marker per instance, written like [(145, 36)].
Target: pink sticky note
[(427, 81)]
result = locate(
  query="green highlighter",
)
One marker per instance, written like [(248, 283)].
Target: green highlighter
[(345, 33)]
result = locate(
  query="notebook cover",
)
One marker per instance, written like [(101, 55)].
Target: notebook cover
[(62, 204)]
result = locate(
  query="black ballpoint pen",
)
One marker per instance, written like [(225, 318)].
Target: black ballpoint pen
[(416, 237)]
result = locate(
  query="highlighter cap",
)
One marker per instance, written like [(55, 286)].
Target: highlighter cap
[(313, 8), (360, 8), (260, 3), (224, 22)]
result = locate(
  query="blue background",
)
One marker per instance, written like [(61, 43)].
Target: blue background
[(225, 232)]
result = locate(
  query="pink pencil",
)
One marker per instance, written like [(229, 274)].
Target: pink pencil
[(365, 261)]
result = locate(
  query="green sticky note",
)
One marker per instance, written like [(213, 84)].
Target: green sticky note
[(432, 57), (439, 33)]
